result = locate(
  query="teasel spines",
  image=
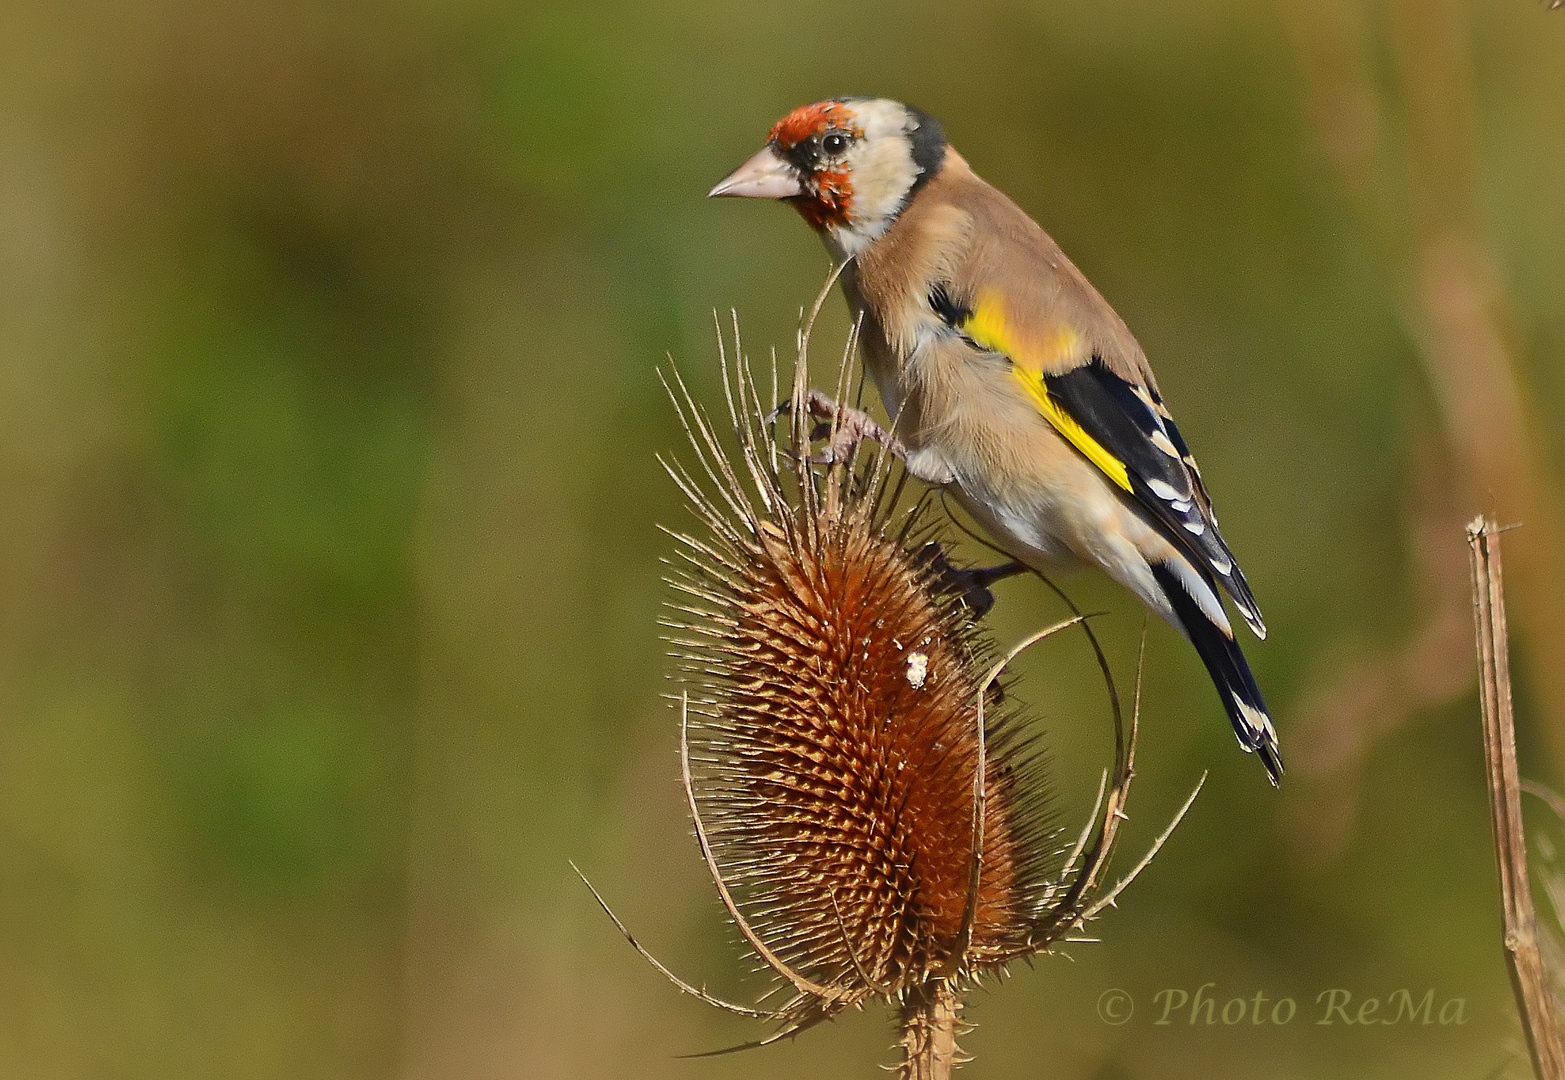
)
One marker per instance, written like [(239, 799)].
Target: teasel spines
[(838, 680), (875, 818)]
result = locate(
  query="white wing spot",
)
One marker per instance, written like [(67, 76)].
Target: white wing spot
[(1167, 492), (1258, 721), (1162, 442), (1203, 595)]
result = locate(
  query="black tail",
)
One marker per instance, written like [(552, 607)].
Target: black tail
[(1230, 673)]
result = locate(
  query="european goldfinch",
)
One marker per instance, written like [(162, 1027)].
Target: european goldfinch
[(1008, 379)]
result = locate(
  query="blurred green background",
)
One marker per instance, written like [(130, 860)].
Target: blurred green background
[(329, 571)]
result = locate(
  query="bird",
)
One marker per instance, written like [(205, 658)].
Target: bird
[(1007, 378)]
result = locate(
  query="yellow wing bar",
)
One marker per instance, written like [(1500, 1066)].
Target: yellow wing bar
[(986, 325)]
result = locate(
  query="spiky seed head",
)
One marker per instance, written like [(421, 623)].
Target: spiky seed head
[(875, 825), (838, 678)]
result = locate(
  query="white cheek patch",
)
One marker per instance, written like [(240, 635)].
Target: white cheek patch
[(883, 173)]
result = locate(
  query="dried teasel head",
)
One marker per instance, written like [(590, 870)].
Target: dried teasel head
[(836, 677), (874, 817)]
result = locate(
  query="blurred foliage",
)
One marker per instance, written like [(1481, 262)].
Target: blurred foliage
[(329, 572)]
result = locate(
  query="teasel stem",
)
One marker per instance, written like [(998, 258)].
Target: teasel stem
[(930, 1014)]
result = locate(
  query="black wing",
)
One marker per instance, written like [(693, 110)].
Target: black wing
[(1132, 424)]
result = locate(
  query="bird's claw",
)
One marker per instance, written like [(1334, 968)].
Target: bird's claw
[(840, 446), (783, 406), (843, 426), (971, 585)]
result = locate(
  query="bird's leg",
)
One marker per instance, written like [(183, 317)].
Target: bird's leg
[(972, 585), (846, 426)]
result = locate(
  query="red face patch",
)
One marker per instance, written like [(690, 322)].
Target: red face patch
[(831, 202), (811, 120), (830, 198)]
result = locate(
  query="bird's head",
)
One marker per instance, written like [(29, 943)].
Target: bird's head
[(849, 165)]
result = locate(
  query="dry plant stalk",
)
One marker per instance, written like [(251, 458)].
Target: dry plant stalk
[(873, 814), (1529, 980)]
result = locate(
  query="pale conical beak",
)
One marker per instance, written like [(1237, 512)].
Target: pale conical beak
[(765, 176)]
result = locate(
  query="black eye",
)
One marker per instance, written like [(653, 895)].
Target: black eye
[(834, 143)]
